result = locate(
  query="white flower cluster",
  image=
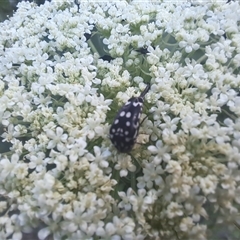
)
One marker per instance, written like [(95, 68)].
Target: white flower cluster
[(65, 70)]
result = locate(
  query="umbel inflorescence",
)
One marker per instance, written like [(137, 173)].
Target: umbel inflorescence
[(67, 67)]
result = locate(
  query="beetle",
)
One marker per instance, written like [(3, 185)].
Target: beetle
[(125, 127)]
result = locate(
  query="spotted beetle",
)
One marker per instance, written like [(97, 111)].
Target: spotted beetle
[(125, 127)]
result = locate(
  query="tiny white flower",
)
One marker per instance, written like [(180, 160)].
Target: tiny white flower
[(124, 165), (160, 151), (100, 158), (173, 167), (186, 224), (151, 175), (37, 161), (125, 203), (174, 210), (58, 138)]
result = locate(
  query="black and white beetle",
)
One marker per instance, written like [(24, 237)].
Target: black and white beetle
[(125, 127)]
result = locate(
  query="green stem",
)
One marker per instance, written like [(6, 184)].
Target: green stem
[(133, 181)]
